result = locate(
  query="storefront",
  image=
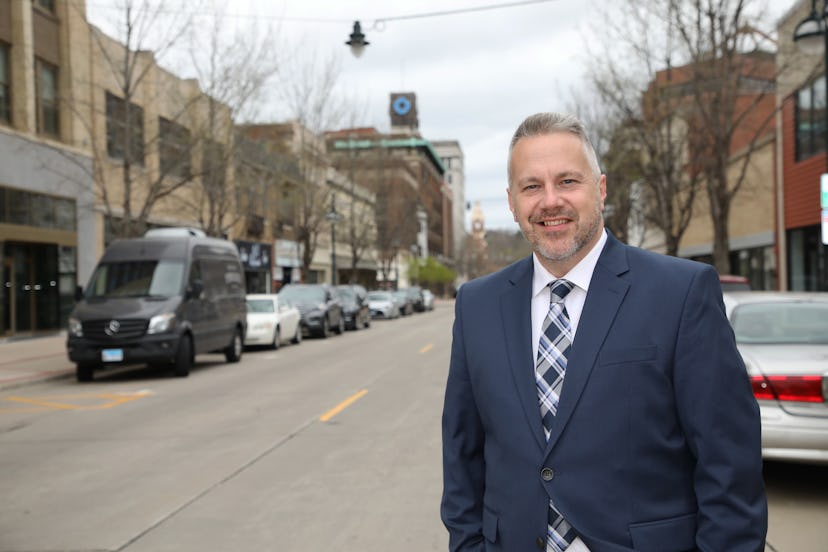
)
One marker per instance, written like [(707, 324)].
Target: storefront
[(288, 263), (255, 258), (45, 216)]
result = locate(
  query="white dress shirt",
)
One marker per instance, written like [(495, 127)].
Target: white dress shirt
[(580, 276)]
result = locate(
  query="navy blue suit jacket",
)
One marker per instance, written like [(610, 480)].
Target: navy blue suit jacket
[(656, 444)]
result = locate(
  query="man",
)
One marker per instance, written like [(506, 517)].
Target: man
[(595, 398)]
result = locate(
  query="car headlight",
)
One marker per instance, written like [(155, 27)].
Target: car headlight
[(75, 327), (263, 325), (161, 323)]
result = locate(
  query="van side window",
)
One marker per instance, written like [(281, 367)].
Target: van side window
[(195, 273), (234, 278)]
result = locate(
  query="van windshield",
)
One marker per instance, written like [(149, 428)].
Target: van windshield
[(137, 279)]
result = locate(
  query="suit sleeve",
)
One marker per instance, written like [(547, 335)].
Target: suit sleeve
[(463, 439), (721, 420)]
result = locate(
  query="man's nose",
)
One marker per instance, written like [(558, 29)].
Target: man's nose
[(551, 194)]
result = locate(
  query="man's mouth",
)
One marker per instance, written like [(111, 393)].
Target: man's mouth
[(556, 222)]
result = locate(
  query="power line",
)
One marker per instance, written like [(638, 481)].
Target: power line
[(376, 21)]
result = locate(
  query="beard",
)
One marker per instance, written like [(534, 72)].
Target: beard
[(562, 250)]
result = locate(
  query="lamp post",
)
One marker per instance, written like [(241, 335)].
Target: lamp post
[(808, 34), (333, 217)]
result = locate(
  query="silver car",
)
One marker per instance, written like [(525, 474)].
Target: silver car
[(383, 304), (783, 339)]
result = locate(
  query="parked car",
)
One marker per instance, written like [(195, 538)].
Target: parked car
[(783, 339), (415, 293), (403, 302), (161, 299), (733, 282), (383, 304), (355, 306), (428, 299), (271, 321), (319, 306)]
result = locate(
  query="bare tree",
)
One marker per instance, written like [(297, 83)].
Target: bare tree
[(732, 90), (125, 76), (695, 94), (234, 68), (308, 89), (648, 132), (158, 141)]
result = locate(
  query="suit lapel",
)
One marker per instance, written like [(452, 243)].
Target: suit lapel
[(515, 308), (606, 292)]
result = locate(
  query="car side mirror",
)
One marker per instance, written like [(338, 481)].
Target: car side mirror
[(78, 293)]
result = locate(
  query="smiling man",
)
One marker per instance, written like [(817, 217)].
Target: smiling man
[(595, 399)]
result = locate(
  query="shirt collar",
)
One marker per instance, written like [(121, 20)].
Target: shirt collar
[(580, 275)]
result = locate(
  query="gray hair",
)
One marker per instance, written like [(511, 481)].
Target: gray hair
[(541, 124)]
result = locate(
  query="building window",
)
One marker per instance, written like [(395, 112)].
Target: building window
[(174, 149), (47, 98), (5, 84), (124, 130), (810, 119), (34, 209)]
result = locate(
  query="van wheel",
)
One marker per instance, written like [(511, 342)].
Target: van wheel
[(233, 352), (85, 372), (297, 338), (183, 357), (277, 339)]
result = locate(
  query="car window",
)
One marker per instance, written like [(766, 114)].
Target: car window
[(304, 294), (260, 305), (781, 322)]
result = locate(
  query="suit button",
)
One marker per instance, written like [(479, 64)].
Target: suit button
[(540, 543), (547, 474)]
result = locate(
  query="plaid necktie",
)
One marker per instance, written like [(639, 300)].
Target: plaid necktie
[(555, 343)]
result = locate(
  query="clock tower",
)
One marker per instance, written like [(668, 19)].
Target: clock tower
[(403, 111)]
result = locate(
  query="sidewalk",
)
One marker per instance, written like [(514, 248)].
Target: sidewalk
[(27, 360)]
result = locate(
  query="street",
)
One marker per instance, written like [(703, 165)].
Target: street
[(330, 444)]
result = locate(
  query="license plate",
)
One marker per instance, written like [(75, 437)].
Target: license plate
[(112, 355)]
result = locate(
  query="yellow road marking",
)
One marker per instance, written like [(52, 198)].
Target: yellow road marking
[(69, 402), (426, 349), (342, 406)]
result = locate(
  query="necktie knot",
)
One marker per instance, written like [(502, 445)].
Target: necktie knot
[(559, 289)]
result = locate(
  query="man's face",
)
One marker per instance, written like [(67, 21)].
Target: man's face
[(556, 199)]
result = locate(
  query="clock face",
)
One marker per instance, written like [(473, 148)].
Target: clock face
[(401, 105)]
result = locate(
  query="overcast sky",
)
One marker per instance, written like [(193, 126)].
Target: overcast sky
[(476, 74)]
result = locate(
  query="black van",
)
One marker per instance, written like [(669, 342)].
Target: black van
[(160, 300)]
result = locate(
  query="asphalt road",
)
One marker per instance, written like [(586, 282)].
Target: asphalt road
[(329, 445)]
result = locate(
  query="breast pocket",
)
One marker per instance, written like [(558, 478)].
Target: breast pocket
[(633, 355)]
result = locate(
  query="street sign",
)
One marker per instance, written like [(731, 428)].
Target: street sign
[(823, 188)]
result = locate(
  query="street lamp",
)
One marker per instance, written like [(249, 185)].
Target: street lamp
[(357, 40), (333, 217), (808, 34)]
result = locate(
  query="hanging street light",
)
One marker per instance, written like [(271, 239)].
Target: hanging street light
[(357, 40)]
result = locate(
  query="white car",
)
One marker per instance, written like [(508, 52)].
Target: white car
[(270, 321), (383, 305), (783, 339)]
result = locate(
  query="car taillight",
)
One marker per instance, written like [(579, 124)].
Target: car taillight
[(788, 388)]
